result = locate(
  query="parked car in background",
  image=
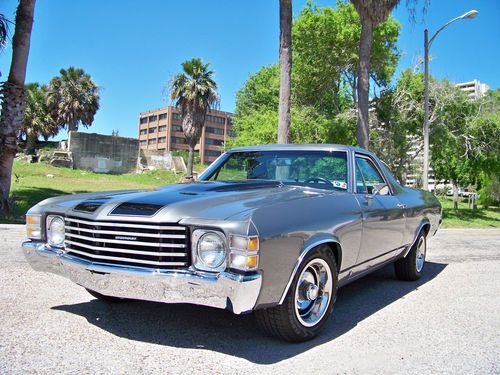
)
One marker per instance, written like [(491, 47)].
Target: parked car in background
[(273, 230)]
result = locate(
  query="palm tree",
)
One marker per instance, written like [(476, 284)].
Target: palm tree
[(73, 98), (371, 14), (285, 70), (37, 118), (14, 99), (4, 30), (194, 91)]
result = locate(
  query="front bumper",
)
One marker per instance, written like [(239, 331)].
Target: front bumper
[(237, 293)]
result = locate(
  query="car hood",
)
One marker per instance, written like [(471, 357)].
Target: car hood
[(206, 200)]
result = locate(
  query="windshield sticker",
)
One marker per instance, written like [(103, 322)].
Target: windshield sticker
[(340, 184)]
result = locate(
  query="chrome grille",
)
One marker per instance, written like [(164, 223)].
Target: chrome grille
[(128, 243)]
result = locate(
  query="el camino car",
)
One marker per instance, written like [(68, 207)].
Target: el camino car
[(273, 230)]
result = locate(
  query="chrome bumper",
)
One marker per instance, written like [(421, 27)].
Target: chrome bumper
[(237, 293)]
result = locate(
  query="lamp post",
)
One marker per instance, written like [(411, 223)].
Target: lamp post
[(427, 46)]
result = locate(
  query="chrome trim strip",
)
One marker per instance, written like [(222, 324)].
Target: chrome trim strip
[(138, 243), (137, 234), (299, 262), (125, 251), (131, 260), (125, 225)]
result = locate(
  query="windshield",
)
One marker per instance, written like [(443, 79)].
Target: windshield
[(317, 169)]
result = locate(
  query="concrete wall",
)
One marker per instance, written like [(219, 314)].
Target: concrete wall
[(103, 153)]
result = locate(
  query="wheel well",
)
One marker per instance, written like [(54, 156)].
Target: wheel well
[(337, 253), (425, 229)]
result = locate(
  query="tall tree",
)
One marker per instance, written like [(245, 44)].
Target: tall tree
[(194, 91), (73, 98), (371, 14), (13, 98), (4, 30), (285, 70), (37, 118)]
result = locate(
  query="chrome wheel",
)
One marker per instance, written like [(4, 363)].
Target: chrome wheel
[(313, 292), (420, 256)]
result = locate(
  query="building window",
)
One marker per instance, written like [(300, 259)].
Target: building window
[(214, 142), (215, 130), (143, 120), (152, 130), (162, 139), (163, 116), (212, 153), (153, 118), (143, 131), (215, 119), (143, 142), (177, 116), (231, 133), (162, 128), (178, 140), (176, 128), (152, 141)]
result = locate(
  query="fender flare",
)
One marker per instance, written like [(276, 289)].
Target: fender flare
[(310, 245), (421, 227)]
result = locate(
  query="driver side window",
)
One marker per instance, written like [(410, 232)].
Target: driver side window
[(367, 176)]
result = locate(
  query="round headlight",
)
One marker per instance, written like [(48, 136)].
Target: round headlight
[(211, 250), (55, 232)]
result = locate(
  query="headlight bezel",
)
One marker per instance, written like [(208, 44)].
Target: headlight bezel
[(198, 262), (52, 232)]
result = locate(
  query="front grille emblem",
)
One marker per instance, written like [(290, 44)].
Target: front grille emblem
[(125, 238)]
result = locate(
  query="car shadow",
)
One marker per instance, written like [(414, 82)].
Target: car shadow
[(189, 326)]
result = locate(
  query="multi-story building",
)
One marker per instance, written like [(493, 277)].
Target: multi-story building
[(161, 129), (474, 89)]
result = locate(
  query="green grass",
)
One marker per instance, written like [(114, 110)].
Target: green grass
[(31, 185), (464, 217)]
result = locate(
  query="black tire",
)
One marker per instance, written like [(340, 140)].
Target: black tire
[(104, 298), (407, 268), (282, 321)]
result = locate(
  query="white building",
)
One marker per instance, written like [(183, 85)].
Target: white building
[(474, 89)]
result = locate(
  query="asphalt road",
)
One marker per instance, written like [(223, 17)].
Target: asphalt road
[(447, 322)]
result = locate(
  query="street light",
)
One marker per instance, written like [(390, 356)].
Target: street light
[(427, 44)]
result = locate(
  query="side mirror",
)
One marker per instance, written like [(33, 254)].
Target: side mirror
[(381, 189)]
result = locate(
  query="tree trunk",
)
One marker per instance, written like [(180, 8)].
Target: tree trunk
[(285, 70), (31, 138), (14, 100), (455, 194), (365, 47), (189, 167)]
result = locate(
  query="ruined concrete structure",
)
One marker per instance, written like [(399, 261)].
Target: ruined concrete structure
[(103, 153)]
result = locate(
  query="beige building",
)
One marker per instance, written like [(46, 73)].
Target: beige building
[(161, 129)]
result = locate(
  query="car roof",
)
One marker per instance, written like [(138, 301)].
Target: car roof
[(298, 147)]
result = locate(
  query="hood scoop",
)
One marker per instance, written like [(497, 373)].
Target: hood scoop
[(90, 205), (136, 209)]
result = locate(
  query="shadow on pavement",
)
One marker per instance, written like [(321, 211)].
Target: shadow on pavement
[(188, 326)]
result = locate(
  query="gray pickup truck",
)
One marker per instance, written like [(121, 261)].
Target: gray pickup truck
[(272, 230)]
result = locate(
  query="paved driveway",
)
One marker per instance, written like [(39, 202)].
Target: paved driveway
[(448, 322)]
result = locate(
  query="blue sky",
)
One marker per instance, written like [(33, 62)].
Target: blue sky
[(131, 48)]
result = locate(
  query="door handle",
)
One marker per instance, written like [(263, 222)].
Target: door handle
[(401, 205)]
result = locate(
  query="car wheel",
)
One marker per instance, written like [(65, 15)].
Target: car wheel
[(410, 267), (102, 297), (309, 301)]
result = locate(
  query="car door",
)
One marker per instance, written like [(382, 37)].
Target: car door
[(383, 214)]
